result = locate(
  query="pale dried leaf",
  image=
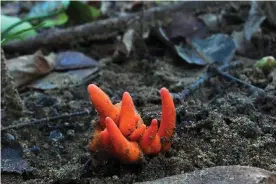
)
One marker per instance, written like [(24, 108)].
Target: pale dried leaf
[(25, 69)]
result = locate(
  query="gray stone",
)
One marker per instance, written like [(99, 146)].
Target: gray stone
[(221, 175)]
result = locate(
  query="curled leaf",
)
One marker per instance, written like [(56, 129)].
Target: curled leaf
[(185, 25), (252, 25), (30, 67), (73, 60), (215, 48), (254, 21)]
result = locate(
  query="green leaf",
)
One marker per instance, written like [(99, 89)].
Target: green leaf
[(58, 20), (13, 37), (95, 12), (80, 12), (7, 21), (18, 35)]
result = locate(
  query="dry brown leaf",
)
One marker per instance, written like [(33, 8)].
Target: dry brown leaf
[(25, 69)]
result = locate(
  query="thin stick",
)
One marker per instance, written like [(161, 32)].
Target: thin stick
[(194, 86), (104, 29), (252, 88), (44, 120)]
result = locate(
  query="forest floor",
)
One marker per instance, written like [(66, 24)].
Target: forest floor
[(221, 123)]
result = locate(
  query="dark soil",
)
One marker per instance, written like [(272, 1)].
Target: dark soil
[(221, 123)]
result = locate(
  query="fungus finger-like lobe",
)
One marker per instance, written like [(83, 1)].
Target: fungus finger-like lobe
[(139, 120), (105, 140), (138, 133), (128, 120), (168, 119), (155, 147), (126, 151), (121, 132), (103, 104), (118, 107), (150, 142)]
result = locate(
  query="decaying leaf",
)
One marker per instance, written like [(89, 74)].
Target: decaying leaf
[(126, 46), (131, 43), (73, 60), (12, 161), (269, 10), (218, 48), (25, 69), (59, 80), (242, 38), (185, 26), (128, 41), (32, 69), (212, 21), (215, 48), (254, 21)]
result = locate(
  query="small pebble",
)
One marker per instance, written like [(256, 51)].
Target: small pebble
[(115, 177), (84, 158), (56, 135), (10, 137), (45, 100), (71, 133), (68, 95), (35, 149), (80, 127), (46, 146)]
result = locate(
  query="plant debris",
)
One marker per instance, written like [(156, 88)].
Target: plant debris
[(12, 161)]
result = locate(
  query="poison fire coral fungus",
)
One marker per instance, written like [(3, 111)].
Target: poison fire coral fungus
[(121, 132)]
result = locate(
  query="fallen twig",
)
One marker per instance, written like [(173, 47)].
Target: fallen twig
[(86, 166), (44, 120), (252, 88), (187, 91), (104, 29)]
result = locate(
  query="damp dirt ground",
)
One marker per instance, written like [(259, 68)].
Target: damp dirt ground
[(221, 123)]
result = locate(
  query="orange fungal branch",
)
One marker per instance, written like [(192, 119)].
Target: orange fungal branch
[(121, 132)]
